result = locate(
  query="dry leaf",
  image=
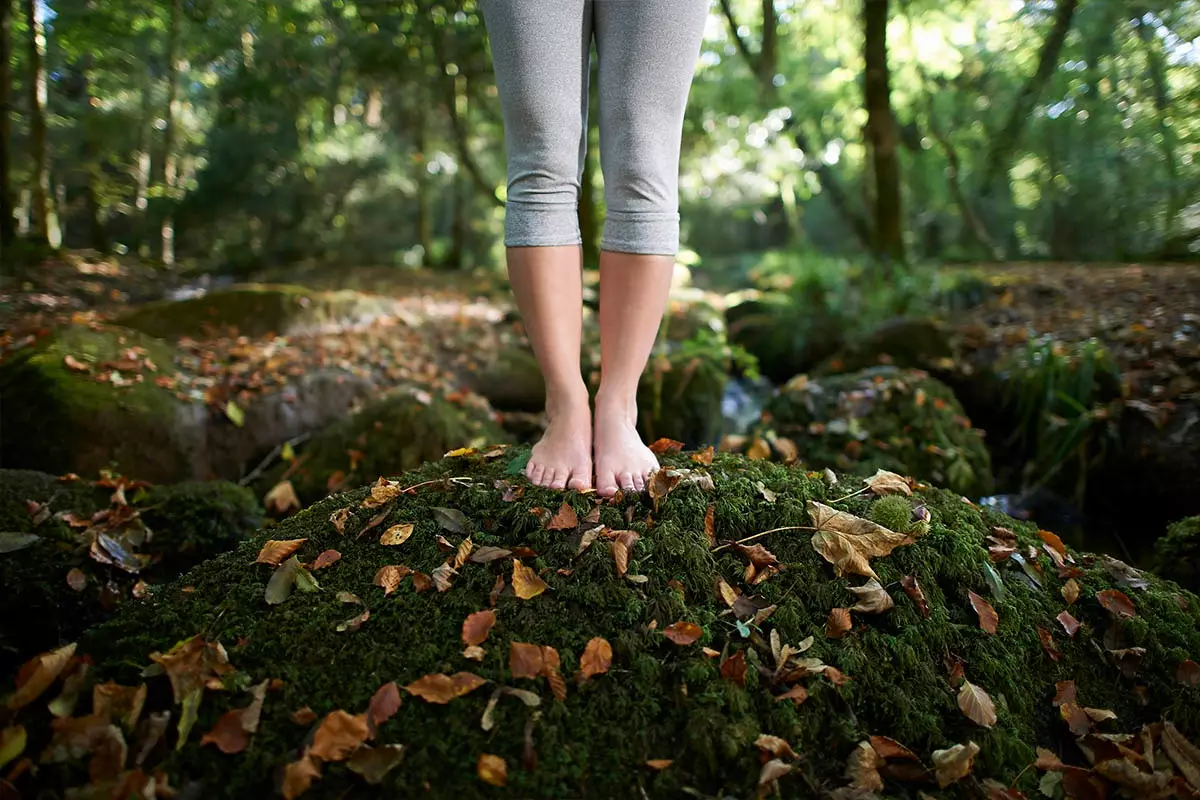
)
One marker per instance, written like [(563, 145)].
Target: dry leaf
[(786, 448), (76, 579), (525, 660), (596, 659), (298, 776), (281, 498), (884, 482), (659, 763), (421, 582), (775, 747), (849, 542), (771, 772), (1116, 603), (1076, 718), (1069, 623), (758, 450), (383, 706), (389, 577), (451, 519), (338, 736), (463, 553), (327, 559), (374, 763), (886, 747), (1064, 692), (704, 456), (622, 546), (1055, 543), (734, 668), (492, 770), (274, 552), (397, 534), (913, 589), (1183, 754), (383, 492), (38, 674), (797, 694), (1188, 673), (1070, 591), (488, 554), (494, 594), (526, 583), (988, 619), (564, 520), (1048, 645), (339, 518), (763, 563), (550, 669), (442, 689), (683, 633), (976, 705), (726, 592), (474, 652), (872, 598), (232, 732), (662, 482), (664, 446), (862, 768), (443, 576), (710, 526), (477, 626), (839, 623), (954, 763)]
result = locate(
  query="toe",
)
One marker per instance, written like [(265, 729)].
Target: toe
[(625, 481), (639, 482), (606, 484), (535, 472), (556, 478), (580, 480)]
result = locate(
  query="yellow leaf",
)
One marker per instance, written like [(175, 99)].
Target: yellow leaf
[(526, 583), (954, 763), (282, 498), (849, 542), (397, 534), (38, 674), (492, 769)]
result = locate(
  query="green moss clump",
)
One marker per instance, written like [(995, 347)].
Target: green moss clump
[(176, 526), (893, 512), (397, 432), (660, 699), (884, 418), (1177, 555), (55, 419)]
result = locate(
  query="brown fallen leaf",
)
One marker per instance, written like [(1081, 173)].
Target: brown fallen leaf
[(884, 482), (564, 520), (1183, 754), (525, 660), (383, 706), (232, 732), (1188, 673), (421, 582), (886, 747), (789, 451), (954, 763), (477, 626), (849, 542), (441, 689), (665, 446), (303, 716), (488, 554), (975, 703), (338, 736), (299, 775), (1070, 591), (38, 674), (913, 589), (374, 763), (763, 563), (339, 518), (683, 633), (474, 652), (76, 579), (704, 456), (839, 623), (710, 526), (118, 702), (1064, 692), (389, 577), (797, 694), (622, 547), (1055, 543), (327, 559), (492, 770), (282, 498), (872, 598), (526, 583), (1116, 603), (1048, 644), (551, 666), (383, 492), (662, 482), (443, 577), (1069, 623), (596, 659), (733, 669), (759, 450), (397, 534), (862, 768), (726, 592), (775, 747), (274, 552), (659, 763), (988, 619), (1076, 718)]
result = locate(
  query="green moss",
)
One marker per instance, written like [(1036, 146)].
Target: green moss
[(659, 700), (1177, 555), (392, 434), (59, 420), (679, 396), (884, 418), (184, 524)]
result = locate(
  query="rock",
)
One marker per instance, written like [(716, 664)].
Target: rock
[(902, 342), (680, 394), (390, 435), (175, 526), (1177, 555), (776, 332), (884, 418), (660, 699), (513, 381), (255, 310)]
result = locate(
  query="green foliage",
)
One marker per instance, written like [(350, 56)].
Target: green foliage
[(1177, 555)]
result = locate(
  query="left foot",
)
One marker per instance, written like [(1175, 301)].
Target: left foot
[(622, 460)]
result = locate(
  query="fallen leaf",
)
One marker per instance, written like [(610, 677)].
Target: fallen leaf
[(282, 581), (788, 451), (474, 652), (710, 519), (477, 626), (704, 456), (988, 619), (976, 705), (442, 689), (1129, 659), (596, 659), (1070, 591), (659, 763), (1055, 543), (76, 579), (451, 519), (797, 694), (303, 716), (763, 563), (662, 482), (1069, 623), (494, 594), (1124, 574), (443, 576), (759, 450), (421, 582), (12, 743), (374, 763), (733, 669), (872, 598), (886, 747), (397, 534), (327, 559), (622, 546), (1064, 692), (862, 768), (299, 775), (38, 674), (884, 482), (526, 583), (1183, 754), (338, 736), (839, 623), (339, 519), (488, 554), (525, 660), (775, 747), (849, 542), (665, 446), (117, 702), (1048, 644), (766, 493), (1188, 673), (564, 520), (273, 552), (726, 592), (282, 498), (1076, 718), (492, 770), (389, 577), (551, 666), (463, 553), (383, 492), (770, 774), (232, 732), (1116, 603), (913, 589), (954, 763), (683, 633)]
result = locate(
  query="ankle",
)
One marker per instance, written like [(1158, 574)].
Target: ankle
[(567, 398), (616, 403)]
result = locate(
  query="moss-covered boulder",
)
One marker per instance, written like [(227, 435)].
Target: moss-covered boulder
[(56, 584), (884, 418), (680, 394), (512, 381), (88, 398), (697, 635), (907, 342), (397, 432), (255, 310), (1177, 555), (781, 335)]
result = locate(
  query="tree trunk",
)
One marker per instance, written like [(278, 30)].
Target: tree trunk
[(888, 240), (1156, 70), (424, 204), (168, 161), (8, 231), (89, 157), (1005, 142), (45, 221), (768, 55)]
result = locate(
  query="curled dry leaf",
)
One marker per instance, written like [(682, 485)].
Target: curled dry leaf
[(797, 694), (975, 703), (1048, 645), (771, 772), (551, 666), (664, 446), (988, 619), (298, 776), (451, 519), (38, 674), (383, 492), (862, 768), (526, 583), (339, 518), (622, 547), (683, 633), (775, 747), (463, 554), (1183, 754), (474, 652), (383, 706), (954, 763), (872, 598), (884, 482), (389, 577), (397, 534), (492, 770), (596, 659), (662, 482), (710, 526), (443, 577), (763, 563), (839, 623), (1076, 717), (1069, 623), (273, 552), (704, 456), (1116, 603), (442, 689), (477, 626), (232, 732), (338, 736), (913, 589), (564, 520), (327, 559), (421, 582), (1056, 544), (849, 542), (1070, 591)]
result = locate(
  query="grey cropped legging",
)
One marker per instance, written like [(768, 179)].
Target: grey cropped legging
[(647, 52)]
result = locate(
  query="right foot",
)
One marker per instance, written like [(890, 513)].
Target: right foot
[(563, 457)]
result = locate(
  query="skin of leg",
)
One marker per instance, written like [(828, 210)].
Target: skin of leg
[(540, 52), (648, 52)]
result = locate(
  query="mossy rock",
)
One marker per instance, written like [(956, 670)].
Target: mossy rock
[(392, 434), (1177, 555), (776, 332), (902, 342), (58, 419), (512, 381), (659, 700), (679, 396), (183, 524), (254, 310), (884, 418)]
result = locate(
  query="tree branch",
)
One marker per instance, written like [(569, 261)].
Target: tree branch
[(743, 46)]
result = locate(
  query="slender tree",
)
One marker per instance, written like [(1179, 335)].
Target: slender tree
[(45, 221), (888, 239), (168, 163), (8, 231)]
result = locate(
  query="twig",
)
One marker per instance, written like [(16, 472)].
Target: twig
[(271, 456), (457, 479), (764, 533), (852, 494)]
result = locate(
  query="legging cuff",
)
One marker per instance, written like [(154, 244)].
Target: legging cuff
[(642, 233), (540, 225)]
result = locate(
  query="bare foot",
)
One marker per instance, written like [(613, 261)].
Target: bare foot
[(563, 457), (622, 460)]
